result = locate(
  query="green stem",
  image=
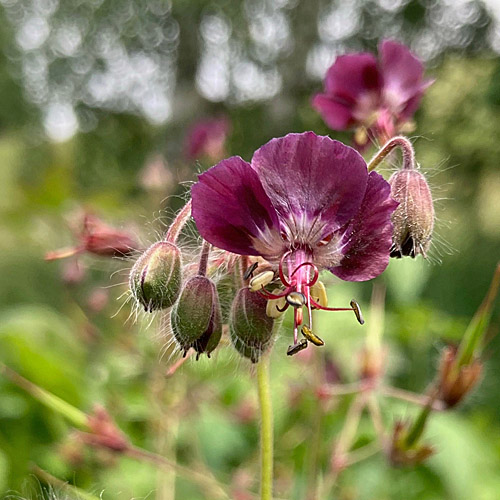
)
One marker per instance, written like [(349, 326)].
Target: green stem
[(77, 417), (471, 343), (44, 476), (266, 428), (418, 426)]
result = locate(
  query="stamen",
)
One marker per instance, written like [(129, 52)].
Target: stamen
[(261, 280), (318, 291), (276, 307), (282, 309), (294, 349), (357, 312), (249, 272), (269, 295), (296, 299), (309, 335), (317, 306)]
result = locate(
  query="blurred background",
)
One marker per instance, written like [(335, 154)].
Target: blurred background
[(98, 100)]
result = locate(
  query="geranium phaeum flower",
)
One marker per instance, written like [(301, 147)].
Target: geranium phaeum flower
[(379, 97), (304, 203), (207, 138)]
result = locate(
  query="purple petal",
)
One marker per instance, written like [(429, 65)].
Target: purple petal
[(203, 133), (337, 116), (402, 72), (413, 103), (353, 75), (309, 177), (368, 238), (232, 211)]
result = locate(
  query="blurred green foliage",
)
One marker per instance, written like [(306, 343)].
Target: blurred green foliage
[(54, 335)]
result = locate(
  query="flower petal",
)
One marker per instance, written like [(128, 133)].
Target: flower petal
[(403, 72), (337, 116), (352, 75), (413, 103), (367, 240), (309, 177), (232, 211)]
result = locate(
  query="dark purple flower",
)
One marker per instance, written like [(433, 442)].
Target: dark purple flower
[(304, 203), (207, 138), (377, 96)]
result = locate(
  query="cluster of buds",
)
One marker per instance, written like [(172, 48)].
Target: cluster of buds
[(160, 280), (274, 236)]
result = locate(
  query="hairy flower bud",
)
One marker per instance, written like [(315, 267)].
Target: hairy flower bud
[(196, 317), (250, 327), (155, 279), (413, 220)]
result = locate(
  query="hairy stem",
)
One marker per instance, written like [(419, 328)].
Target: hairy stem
[(49, 479), (396, 142), (179, 222), (266, 428), (204, 254)]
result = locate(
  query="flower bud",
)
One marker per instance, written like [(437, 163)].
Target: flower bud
[(196, 317), (414, 218), (155, 279), (250, 327), (456, 381), (401, 453)]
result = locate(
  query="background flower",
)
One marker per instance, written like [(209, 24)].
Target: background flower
[(380, 95)]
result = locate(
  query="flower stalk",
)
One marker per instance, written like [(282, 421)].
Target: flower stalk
[(396, 142), (77, 417), (179, 222), (51, 480), (101, 422), (470, 345), (266, 428)]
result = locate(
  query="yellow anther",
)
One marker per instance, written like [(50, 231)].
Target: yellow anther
[(360, 135), (261, 280), (275, 307), (309, 335), (318, 293), (296, 299), (357, 311)]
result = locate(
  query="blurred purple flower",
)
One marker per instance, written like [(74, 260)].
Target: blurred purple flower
[(207, 138), (378, 98), (304, 203)]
